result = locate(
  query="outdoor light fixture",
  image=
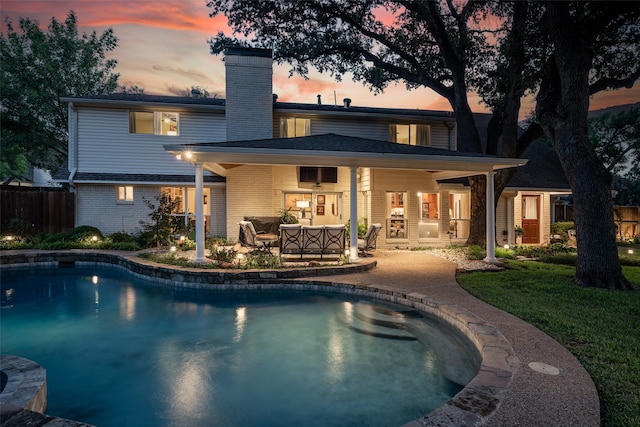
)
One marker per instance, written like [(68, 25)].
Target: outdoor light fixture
[(9, 238), (302, 205), (94, 280), (179, 156), (630, 251), (188, 155), (506, 246), (94, 238), (173, 249), (240, 256)]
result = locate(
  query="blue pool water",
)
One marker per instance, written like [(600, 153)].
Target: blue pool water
[(120, 351)]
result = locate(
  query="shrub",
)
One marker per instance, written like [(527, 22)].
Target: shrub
[(475, 252), (362, 228), (261, 259), (505, 253), (121, 237), (83, 232), (562, 229), (222, 254)]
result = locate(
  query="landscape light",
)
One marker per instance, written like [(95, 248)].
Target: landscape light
[(506, 246), (94, 238)]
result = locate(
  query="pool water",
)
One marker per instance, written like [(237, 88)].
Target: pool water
[(120, 351)]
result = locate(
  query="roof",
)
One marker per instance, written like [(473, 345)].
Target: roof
[(345, 151), (542, 171), (194, 102), (89, 177)]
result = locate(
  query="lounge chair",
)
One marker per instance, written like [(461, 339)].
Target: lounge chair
[(368, 243), (249, 237)]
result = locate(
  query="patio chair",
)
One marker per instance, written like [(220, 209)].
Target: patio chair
[(334, 239), (312, 240), (368, 243), (249, 237), (290, 239)]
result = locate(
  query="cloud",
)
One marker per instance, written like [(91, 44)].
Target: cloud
[(190, 73)]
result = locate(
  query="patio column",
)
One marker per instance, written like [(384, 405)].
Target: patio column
[(199, 215), (491, 220), (353, 215)]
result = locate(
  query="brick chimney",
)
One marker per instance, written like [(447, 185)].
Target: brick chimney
[(249, 97)]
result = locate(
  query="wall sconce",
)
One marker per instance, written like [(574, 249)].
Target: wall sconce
[(302, 205)]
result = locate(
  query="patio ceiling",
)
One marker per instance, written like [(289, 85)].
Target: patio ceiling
[(339, 150)]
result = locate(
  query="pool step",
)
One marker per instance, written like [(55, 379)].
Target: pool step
[(380, 323)]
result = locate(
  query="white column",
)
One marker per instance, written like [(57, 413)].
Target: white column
[(491, 220), (199, 215), (353, 216)]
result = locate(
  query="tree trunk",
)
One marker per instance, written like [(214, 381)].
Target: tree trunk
[(562, 107), (468, 140)]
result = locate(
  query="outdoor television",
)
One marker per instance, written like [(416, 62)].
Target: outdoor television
[(318, 175)]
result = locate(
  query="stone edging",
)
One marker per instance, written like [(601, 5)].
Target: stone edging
[(26, 384), (473, 405)]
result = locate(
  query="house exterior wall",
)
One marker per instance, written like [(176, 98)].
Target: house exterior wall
[(96, 206), (366, 127), (106, 146), (411, 182), (249, 193)]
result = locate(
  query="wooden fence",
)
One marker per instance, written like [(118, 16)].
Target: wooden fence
[(37, 210)]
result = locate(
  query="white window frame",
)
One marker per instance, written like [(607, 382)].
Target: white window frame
[(413, 130), (159, 120), (124, 194), (301, 127)]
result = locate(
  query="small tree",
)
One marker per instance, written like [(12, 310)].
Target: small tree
[(162, 224)]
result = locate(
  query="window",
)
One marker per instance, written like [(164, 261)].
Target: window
[(411, 134), (396, 215), (186, 208), (459, 215), (154, 123), (292, 127), (125, 194), (429, 212)]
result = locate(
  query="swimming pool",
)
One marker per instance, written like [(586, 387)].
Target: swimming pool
[(121, 351)]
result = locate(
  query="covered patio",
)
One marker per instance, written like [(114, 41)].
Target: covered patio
[(331, 150)]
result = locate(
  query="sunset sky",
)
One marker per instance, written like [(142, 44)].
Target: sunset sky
[(163, 49)]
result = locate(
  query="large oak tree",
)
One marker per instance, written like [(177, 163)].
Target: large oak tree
[(496, 48), (37, 68)]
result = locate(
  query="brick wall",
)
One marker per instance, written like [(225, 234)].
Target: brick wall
[(249, 98)]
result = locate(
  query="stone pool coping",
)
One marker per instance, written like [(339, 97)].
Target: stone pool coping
[(476, 404)]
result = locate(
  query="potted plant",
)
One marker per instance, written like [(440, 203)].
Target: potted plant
[(286, 217), (519, 230)]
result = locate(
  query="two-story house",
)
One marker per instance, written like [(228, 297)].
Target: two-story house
[(251, 155)]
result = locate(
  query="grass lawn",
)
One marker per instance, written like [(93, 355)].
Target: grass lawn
[(600, 327)]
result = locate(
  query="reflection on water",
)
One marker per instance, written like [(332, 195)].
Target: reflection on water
[(128, 303), (167, 357)]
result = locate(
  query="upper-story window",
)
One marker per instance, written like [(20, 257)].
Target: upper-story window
[(292, 127), (411, 134), (124, 194), (154, 123)]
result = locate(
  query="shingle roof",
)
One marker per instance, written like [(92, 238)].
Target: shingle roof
[(187, 100), (337, 143), (135, 177), (542, 171)]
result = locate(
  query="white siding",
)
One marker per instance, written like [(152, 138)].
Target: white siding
[(106, 146), (363, 127)]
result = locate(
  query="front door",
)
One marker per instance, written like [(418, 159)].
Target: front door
[(531, 219)]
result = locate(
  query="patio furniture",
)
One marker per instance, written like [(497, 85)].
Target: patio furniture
[(290, 240), (368, 243), (250, 238), (312, 240)]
